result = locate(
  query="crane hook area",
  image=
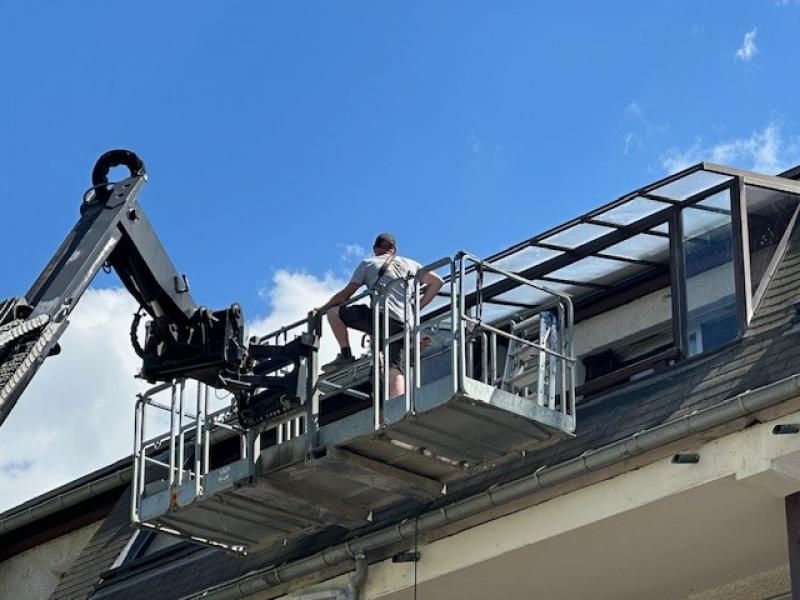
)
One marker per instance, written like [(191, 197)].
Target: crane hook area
[(104, 164)]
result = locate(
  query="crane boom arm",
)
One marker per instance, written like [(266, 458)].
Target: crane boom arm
[(183, 339)]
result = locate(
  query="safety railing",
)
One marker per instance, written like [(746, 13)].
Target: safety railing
[(554, 348), (183, 453), (555, 378), (470, 347)]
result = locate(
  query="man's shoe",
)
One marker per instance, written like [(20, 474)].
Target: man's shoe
[(340, 361)]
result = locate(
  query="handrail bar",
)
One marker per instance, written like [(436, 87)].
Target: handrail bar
[(511, 336), (155, 390), (514, 277)]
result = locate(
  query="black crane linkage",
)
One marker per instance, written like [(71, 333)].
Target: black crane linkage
[(183, 339)]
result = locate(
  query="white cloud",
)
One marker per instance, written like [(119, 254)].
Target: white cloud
[(767, 151), (77, 414), (643, 131), (748, 48), (474, 144), (351, 251), (629, 139), (291, 296), (635, 109)]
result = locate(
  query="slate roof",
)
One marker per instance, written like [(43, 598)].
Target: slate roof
[(769, 351), (98, 555)]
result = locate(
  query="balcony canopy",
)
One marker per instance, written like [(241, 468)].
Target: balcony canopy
[(624, 240)]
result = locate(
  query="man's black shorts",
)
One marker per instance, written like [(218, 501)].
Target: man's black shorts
[(359, 316)]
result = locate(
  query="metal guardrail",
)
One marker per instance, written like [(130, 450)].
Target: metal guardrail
[(184, 451)]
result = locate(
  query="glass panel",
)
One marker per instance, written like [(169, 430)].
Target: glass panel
[(663, 228), (556, 286), (577, 235), (642, 247), (525, 258), (710, 287), (594, 269), (720, 201), (708, 220), (525, 294), (691, 184), (631, 211), (494, 312), (768, 215)]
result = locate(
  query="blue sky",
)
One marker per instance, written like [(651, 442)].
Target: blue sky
[(280, 138), (278, 134)]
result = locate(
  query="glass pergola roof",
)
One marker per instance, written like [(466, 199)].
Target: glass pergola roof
[(611, 245)]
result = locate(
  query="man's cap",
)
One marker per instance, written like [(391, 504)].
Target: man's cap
[(385, 241)]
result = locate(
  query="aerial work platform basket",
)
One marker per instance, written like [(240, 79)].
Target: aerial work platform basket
[(477, 391)]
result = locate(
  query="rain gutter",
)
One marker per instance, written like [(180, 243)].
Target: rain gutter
[(742, 405)]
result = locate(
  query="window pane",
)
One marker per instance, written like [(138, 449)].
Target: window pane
[(525, 294), (525, 258), (470, 282), (577, 235), (710, 287), (631, 211), (594, 269), (768, 215), (642, 247), (691, 184)]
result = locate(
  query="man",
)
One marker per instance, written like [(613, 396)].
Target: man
[(379, 270)]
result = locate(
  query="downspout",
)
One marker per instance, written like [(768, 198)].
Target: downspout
[(745, 404)]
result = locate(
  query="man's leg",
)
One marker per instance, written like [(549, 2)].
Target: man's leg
[(338, 327), (397, 382), (341, 318)]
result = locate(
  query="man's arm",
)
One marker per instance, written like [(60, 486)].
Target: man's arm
[(341, 296), (433, 283)]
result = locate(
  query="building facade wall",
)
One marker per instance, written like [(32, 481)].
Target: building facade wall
[(35, 573)]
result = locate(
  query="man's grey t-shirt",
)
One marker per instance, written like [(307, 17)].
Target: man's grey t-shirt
[(367, 274)]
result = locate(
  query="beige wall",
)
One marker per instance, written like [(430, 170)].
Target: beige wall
[(35, 573), (663, 531)]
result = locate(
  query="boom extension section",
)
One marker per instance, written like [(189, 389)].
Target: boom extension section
[(182, 339)]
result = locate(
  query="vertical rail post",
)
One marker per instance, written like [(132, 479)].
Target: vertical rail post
[(181, 436), (407, 346), (137, 446), (493, 358), (571, 353), (385, 353), (462, 331), (198, 440), (142, 453), (206, 432), (484, 357), (453, 327), (376, 353), (417, 340), (562, 326), (312, 381), (173, 407)]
